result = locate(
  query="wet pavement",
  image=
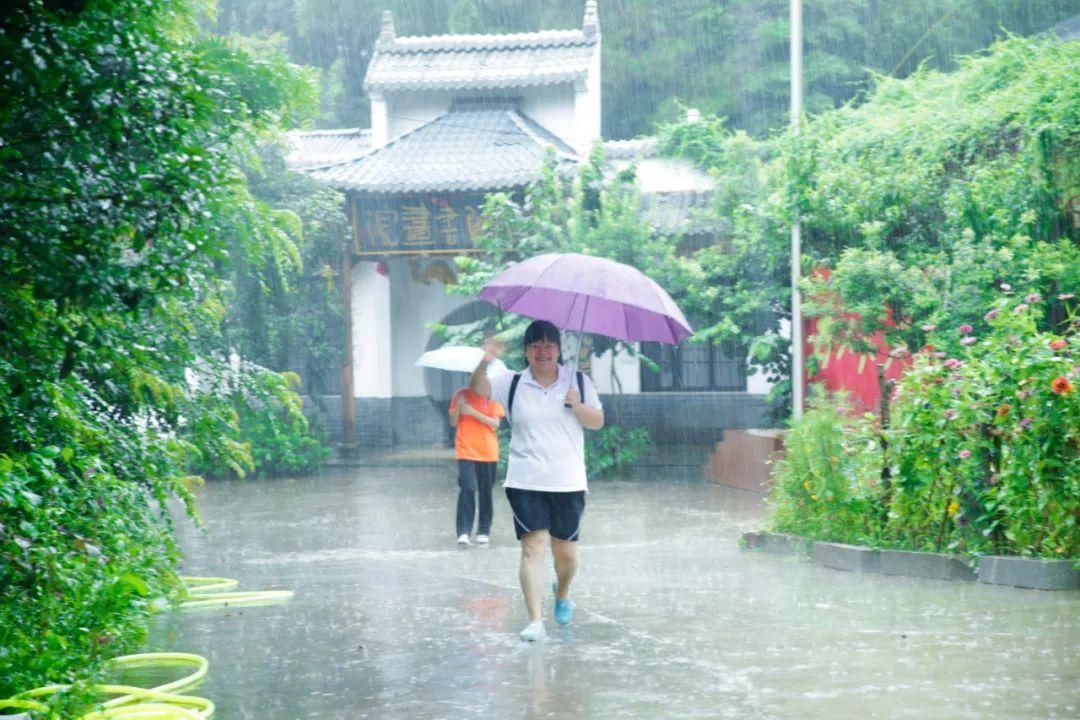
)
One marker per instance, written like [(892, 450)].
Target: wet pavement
[(391, 620)]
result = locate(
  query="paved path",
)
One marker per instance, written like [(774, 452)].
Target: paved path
[(391, 620)]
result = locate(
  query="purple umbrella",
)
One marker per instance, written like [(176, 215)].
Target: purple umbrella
[(589, 294)]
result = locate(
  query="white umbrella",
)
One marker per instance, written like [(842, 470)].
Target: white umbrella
[(459, 358)]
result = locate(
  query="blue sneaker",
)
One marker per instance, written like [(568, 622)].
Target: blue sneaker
[(564, 609)]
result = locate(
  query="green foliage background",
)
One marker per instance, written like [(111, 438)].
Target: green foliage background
[(920, 201), (122, 137), (724, 57)]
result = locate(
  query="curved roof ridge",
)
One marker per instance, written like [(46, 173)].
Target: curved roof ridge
[(541, 38)]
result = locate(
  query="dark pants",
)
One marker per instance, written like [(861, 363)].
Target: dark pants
[(474, 478)]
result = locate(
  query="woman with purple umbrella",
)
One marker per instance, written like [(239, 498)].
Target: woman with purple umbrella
[(549, 406)]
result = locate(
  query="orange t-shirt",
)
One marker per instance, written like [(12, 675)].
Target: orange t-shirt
[(474, 440)]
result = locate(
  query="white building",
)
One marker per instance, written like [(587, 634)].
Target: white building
[(455, 117)]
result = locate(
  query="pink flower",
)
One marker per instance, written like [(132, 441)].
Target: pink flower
[(965, 329), (1059, 344), (1066, 296), (964, 454), (1006, 287), (969, 340), (953, 363), (1032, 297), (1026, 423), (949, 414), (990, 315), (1021, 307), (929, 327)]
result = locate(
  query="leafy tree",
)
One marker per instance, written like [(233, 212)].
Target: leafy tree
[(921, 201), (120, 139)]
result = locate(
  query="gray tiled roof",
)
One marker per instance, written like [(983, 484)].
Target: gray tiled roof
[(459, 151), (631, 149), (685, 212), (312, 148), (1068, 29), (676, 197), (481, 61)]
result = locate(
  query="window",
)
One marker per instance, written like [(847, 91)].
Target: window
[(694, 366)]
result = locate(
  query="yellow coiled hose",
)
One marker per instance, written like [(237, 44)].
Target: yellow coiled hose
[(158, 703), (164, 701)]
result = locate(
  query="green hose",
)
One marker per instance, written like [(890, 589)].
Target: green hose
[(210, 592), (130, 702), (164, 701)]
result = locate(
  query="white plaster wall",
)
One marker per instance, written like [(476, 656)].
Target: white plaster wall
[(379, 120), (627, 370), (371, 332), (552, 106), (757, 384), (671, 175), (587, 105), (410, 110), (412, 306)]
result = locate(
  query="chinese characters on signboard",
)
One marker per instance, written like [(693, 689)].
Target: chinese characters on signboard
[(420, 224)]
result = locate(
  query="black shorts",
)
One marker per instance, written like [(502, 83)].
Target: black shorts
[(557, 512)]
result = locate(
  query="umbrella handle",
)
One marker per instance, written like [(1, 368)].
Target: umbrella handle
[(573, 364)]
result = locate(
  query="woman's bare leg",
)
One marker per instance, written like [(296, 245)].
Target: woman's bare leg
[(531, 573)]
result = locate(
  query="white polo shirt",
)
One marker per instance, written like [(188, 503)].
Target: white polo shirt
[(547, 442)]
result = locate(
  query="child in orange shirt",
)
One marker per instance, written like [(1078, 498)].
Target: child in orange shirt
[(476, 447)]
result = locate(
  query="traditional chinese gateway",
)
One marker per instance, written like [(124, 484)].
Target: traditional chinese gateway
[(455, 117)]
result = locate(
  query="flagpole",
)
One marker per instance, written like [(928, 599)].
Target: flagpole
[(797, 346)]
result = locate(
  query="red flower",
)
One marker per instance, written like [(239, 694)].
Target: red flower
[(1061, 385), (1058, 344)]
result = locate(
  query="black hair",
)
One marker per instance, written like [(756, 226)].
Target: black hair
[(542, 330)]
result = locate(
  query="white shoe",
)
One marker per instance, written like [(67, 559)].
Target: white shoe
[(482, 539), (463, 540), (533, 631)]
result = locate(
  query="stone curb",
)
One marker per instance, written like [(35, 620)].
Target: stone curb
[(776, 543), (846, 557), (1035, 573), (936, 566)]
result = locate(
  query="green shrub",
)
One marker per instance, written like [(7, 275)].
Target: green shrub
[(983, 447), (269, 426), (986, 443), (828, 482), (613, 450)]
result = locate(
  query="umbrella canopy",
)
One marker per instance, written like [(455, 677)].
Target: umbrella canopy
[(582, 293), (459, 358)]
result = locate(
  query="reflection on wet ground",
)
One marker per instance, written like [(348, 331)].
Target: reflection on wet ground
[(392, 620)]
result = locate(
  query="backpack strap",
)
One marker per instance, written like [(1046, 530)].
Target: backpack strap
[(510, 397), (581, 386)]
